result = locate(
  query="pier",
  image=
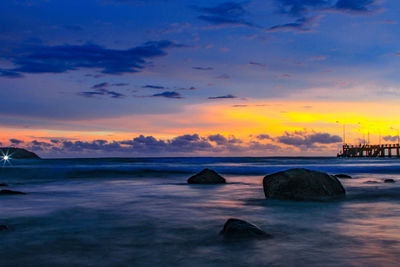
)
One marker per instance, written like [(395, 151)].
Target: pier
[(370, 151)]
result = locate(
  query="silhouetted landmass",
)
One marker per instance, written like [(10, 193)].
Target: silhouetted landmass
[(18, 153), (11, 192)]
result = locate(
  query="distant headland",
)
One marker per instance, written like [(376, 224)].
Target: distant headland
[(17, 153)]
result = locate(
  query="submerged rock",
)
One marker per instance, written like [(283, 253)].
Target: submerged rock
[(206, 176), (3, 184), (343, 176), (3, 227), (236, 228), (371, 182), (389, 181), (302, 184), (11, 192)]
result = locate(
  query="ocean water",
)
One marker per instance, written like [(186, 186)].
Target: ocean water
[(141, 212)]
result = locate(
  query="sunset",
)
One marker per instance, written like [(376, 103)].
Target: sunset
[(131, 125)]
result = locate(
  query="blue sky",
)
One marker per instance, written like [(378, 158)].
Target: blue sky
[(111, 69)]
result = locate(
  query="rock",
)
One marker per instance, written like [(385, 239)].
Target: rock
[(389, 181), (302, 184), (235, 228), (18, 153), (371, 182), (11, 192), (3, 227), (206, 176), (3, 184), (343, 176)]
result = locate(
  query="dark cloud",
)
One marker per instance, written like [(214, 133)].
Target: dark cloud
[(356, 6), (302, 24), (218, 139), (149, 86), (16, 141), (299, 8), (264, 137), (169, 94), (120, 84), (223, 97), (102, 92), (187, 88), (202, 68), (227, 13), (391, 138), (305, 140), (239, 106), (100, 85), (257, 64), (9, 74), (59, 59)]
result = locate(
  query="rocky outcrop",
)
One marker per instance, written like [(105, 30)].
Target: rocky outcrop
[(389, 181), (236, 228), (206, 176), (343, 176), (11, 192), (3, 184), (302, 184), (18, 153), (3, 227)]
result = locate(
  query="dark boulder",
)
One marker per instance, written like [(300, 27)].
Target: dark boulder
[(371, 182), (302, 184), (18, 153), (206, 176), (11, 192), (3, 227), (343, 176), (3, 184), (235, 228), (389, 181)]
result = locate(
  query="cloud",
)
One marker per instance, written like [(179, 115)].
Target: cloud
[(391, 138), (257, 64), (149, 86), (102, 92), (302, 24), (9, 74), (356, 6), (16, 141), (202, 68), (218, 139), (223, 76), (63, 58), (264, 137), (223, 97), (100, 85), (187, 88), (305, 140), (169, 94), (299, 8), (227, 13)]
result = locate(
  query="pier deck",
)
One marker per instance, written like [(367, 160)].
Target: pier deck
[(370, 151)]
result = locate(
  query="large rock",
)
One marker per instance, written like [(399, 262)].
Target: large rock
[(235, 228), (11, 192), (343, 176), (17, 153), (389, 181), (206, 176), (302, 184)]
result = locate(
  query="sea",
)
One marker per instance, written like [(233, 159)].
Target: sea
[(142, 212)]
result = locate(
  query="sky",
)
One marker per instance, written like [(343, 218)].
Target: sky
[(104, 78)]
